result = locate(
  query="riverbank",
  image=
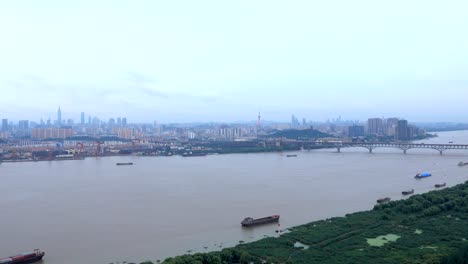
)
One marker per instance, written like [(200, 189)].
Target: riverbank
[(153, 198), (425, 228), (244, 150)]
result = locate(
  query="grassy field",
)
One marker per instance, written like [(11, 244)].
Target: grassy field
[(427, 228)]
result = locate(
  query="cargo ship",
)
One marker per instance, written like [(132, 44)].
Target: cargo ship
[(440, 185), (408, 192), (120, 164), (422, 175), (249, 221), (27, 257)]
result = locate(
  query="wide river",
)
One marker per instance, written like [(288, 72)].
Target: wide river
[(92, 211)]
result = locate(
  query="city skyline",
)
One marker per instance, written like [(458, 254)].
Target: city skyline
[(223, 62), (86, 118)]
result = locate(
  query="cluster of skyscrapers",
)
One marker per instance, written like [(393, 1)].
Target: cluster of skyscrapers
[(61, 128), (391, 127)]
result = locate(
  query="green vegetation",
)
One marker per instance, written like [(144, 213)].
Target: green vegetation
[(382, 240), (255, 149), (299, 134), (439, 218), (458, 257)]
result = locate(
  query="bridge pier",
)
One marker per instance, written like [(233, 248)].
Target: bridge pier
[(404, 151), (441, 152), (338, 150)]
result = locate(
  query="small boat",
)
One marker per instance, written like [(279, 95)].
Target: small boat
[(462, 163), (440, 185), (422, 175), (291, 156), (124, 163), (249, 221), (450, 142), (408, 192), (27, 257), (384, 200)]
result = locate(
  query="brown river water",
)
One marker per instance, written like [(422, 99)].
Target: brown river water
[(92, 211)]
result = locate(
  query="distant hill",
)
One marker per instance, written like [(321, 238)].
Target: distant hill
[(299, 134)]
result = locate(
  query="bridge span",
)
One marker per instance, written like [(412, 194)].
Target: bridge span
[(373, 145)]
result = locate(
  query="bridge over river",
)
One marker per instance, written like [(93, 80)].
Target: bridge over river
[(373, 145)]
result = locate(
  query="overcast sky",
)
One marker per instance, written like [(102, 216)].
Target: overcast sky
[(186, 61)]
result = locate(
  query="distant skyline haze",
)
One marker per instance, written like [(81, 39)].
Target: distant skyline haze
[(203, 61)]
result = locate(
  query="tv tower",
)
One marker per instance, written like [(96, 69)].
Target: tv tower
[(259, 123)]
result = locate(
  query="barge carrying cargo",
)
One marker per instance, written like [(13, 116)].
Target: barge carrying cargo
[(249, 221), (27, 257), (124, 163), (422, 175)]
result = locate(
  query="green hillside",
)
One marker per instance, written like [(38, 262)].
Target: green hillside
[(299, 134)]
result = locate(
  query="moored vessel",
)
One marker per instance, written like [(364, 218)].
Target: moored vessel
[(27, 257), (462, 163), (383, 200), (249, 221), (291, 156), (194, 154), (408, 192), (440, 185), (68, 157)]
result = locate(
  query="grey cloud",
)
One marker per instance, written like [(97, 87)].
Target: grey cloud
[(30, 82), (139, 84)]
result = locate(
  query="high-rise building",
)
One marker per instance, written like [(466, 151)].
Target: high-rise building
[(59, 117), (229, 133), (23, 125), (119, 121), (4, 124), (52, 133), (355, 131), (375, 126), (96, 121), (82, 118), (412, 132), (294, 121), (124, 121), (392, 123), (402, 130)]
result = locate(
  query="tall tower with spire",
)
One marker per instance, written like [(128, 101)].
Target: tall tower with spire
[(59, 117), (259, 122)]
